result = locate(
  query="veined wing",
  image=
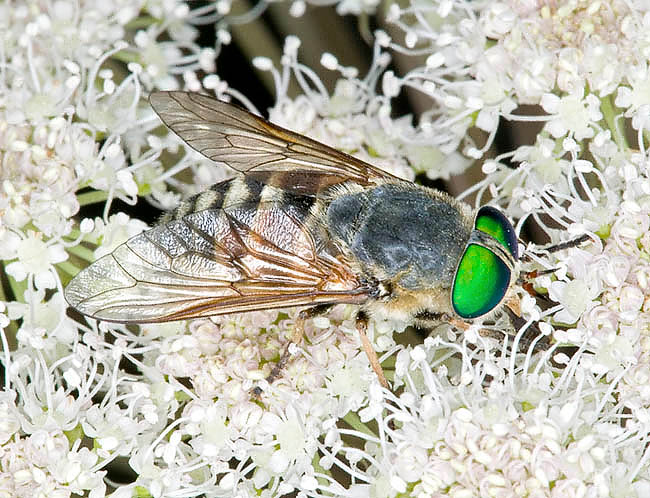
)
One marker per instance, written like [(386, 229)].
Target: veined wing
[(212, 262), (270, 154)]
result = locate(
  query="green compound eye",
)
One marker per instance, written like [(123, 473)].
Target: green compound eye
[(482, 278), (491, 221)]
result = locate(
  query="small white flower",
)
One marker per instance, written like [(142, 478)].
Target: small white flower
[(576, 296), (118, 230), (10, 419), (36, 257), (574, 114)]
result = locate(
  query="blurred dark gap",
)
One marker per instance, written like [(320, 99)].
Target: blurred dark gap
[(518, 133), (511, 135), (504, 141), (236, 70), (119, 472), (142, 210), (207, 32), (233, 66), (437, 184)]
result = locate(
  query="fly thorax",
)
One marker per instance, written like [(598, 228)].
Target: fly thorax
[(403, 233)]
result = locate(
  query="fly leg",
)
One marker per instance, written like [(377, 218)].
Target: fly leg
[(296, 337), (362, 326), (298, 332)]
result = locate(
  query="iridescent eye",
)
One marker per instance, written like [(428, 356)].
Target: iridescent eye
[(483, 278), (491, 221)]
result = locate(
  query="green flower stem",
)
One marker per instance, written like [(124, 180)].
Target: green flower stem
[(68, 268), (126, 56), (74, 233), (363, 21), (74, 434), (388, 366), (315, 462), (82, 252), (17, 288), (610, 114), (11, 329), (353, 420), (141, 22), (3, 296), (141, 492), (92, 197)]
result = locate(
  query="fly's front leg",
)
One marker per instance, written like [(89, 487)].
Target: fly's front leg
[(296, 337), (362, 326)]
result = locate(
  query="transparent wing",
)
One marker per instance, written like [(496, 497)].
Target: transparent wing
[(213, 262), (271, 154)]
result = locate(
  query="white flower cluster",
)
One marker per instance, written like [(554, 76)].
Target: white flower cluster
[(273, 434), (73, 131), (484, 60), (530, 435)]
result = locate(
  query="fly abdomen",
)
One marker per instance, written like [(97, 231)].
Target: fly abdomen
[(234, 190)]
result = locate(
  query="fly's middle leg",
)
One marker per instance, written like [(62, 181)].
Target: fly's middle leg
[(362, 326), (296, 337)]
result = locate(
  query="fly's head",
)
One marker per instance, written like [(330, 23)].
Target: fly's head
[(487, 268)]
